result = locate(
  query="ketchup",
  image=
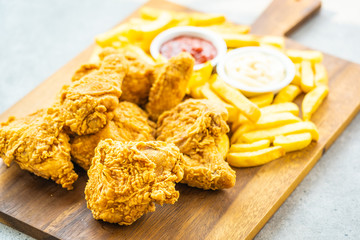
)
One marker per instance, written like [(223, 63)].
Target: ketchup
[(200, 49)]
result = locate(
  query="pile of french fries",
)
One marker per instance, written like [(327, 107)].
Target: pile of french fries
[(263, 127)]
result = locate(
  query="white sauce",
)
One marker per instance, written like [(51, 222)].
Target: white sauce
[(255, 69)]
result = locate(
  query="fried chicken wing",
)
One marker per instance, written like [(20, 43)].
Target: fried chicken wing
[(87, 104), (169, 88), (127, 179), (196, 127), (139, 78), (37, 143), (130, 123), (85, 69)]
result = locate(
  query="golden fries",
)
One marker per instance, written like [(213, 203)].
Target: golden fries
[(248, 147), (256, 158), (228, 27), (276, 119), (293, 142), (202, 19), (231, 95), (263, 100), (150, 13), (224, 145), (271, 133), (281, 107), (235, 138), (147, 32), (207, 93), (321, 77), (200, 77), (312, 101), (307, 76), (275, 41), (106, 39), (240, 40), (297, 78), (308, 55), (287, 94)]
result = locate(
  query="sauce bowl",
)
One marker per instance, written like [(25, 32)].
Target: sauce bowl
[(288, 65), (198, 32)]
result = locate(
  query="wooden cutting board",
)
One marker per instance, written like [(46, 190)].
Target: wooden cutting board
[(44, 210)]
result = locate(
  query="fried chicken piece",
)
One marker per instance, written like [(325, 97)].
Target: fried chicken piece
[(87, 104), (169, 88), (139, 78), (196, 127), (85, 69), (37, 143), (130, 123), (127, 179)]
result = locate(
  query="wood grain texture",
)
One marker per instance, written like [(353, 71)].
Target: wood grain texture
[(44, 210), (284, 16)]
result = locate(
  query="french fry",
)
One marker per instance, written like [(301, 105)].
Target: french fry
[(308, 55), (287, 94), (321, 76), (206, 19), (312, 101), (196, 93), (275, 120), (147, 32), (248, 147), (256, 158), (200, 77), (263, 100), (106, 39), (224, 145), (150, 13), (235, 138), (307, 76), (240, 120), (228, 27), (271, 133), (233, 96), (207, 93), (240, 40), (293, 142), (297, 78), (275, 41), (281, 107)]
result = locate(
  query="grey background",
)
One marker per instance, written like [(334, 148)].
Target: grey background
[(38, 37)]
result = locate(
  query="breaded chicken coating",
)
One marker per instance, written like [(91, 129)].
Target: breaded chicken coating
[(87, 104), (169, 88), (130, 123), (196, 127), (37, 143), (127, 179)]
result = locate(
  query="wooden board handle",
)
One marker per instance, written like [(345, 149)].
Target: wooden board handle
[(284, 16)]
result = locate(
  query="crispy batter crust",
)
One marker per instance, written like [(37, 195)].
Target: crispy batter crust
[(195, 126), (127, 179)]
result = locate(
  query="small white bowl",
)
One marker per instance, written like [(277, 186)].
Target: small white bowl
[(199, 32), (252, 91)]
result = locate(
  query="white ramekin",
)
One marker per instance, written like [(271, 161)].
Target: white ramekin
[(199, 32), (287, 63)]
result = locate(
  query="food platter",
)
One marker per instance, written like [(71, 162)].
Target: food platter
[(240, 211)]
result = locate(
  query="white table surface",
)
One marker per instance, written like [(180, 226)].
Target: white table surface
[(38, 37)]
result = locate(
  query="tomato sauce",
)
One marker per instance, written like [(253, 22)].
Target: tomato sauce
[(202, 50)]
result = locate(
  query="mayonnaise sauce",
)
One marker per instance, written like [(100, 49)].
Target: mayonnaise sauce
[(255, 69)]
